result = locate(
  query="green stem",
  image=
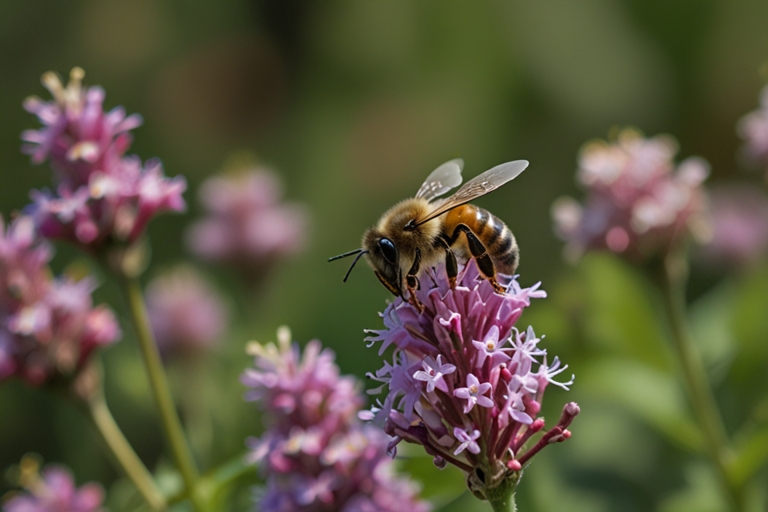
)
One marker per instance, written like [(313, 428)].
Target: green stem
[(503, 503), (123, 452), (180, 450), (695, 377)]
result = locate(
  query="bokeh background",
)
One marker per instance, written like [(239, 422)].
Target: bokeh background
[(353, 104)]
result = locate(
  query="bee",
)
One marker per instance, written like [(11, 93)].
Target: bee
[(419, 232)]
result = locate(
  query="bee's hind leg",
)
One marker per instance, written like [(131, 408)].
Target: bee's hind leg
[(451, 266), (480, 253)]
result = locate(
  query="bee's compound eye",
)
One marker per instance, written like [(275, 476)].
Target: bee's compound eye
[(388, 250)]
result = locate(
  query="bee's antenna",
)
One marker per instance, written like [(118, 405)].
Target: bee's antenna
[(353, 264), (350, 253)]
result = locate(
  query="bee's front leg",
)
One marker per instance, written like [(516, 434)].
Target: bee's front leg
[(412, 284)]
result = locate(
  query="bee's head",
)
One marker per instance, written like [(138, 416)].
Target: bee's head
[(384, 258)]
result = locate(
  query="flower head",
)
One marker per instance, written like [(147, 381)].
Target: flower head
[(185, 312), (48, 326), (739, 219), (753, 128), (316, 454), (463, 382), (638, 203), (53, 491), (247, 225), (101, 196)]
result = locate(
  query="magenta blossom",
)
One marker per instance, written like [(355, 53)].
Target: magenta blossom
[(102, 196), (247, 225), (53, 491), (48, 327), (753, 128), (464, 382), (316, 455), (186, 313), (638, 203)]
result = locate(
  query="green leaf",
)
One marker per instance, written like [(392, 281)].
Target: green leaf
[(546, 489), (749, 324), (217, 485), (653, 395), (751, 453), (709, 320), (620, 313), (701, 495)]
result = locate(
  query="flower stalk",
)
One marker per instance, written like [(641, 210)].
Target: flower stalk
[(180, 450), (674, 278), (100, 415), (502, 498)]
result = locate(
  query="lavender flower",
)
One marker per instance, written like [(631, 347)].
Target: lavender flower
[(102, 196), (739, 220), (316, 455), (247, 226), (753, 128), (185, 312), (48, 326), (638, 204), (53, 491), (464, 382)]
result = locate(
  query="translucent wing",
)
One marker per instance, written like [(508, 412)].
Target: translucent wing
[(478, 186), (441, 180)]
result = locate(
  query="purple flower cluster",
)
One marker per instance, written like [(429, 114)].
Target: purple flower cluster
[(753, 128), (48, 326), (186, 313), (247, 224), (102, 196), (638, 204), (54, 491), (316, 454), (463, 381)]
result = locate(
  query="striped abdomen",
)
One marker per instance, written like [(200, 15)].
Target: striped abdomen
[(499, 242)]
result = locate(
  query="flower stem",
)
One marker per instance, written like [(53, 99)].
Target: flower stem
[(695, 377), (174, 433), (123, 452), (503, 502)]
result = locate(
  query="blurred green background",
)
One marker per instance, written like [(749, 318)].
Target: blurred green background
[(353, 104)]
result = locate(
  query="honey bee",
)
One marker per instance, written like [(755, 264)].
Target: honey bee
[(418, 232)]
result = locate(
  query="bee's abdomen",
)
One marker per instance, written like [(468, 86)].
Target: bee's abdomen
[(499, 242)]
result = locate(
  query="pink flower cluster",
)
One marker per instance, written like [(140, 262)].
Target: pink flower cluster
[(247, 224), (102, 196), (638, 203), (316, 455), (463, 381), (739, 218), (753, 128), (186, 313), (55, 491), (48, 327)]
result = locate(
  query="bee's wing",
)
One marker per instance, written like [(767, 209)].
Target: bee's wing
[(478, 186), (441, 180)]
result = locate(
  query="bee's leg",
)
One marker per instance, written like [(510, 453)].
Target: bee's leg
[(480, 253), (451, 266), (413, 284), (386, 284)]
